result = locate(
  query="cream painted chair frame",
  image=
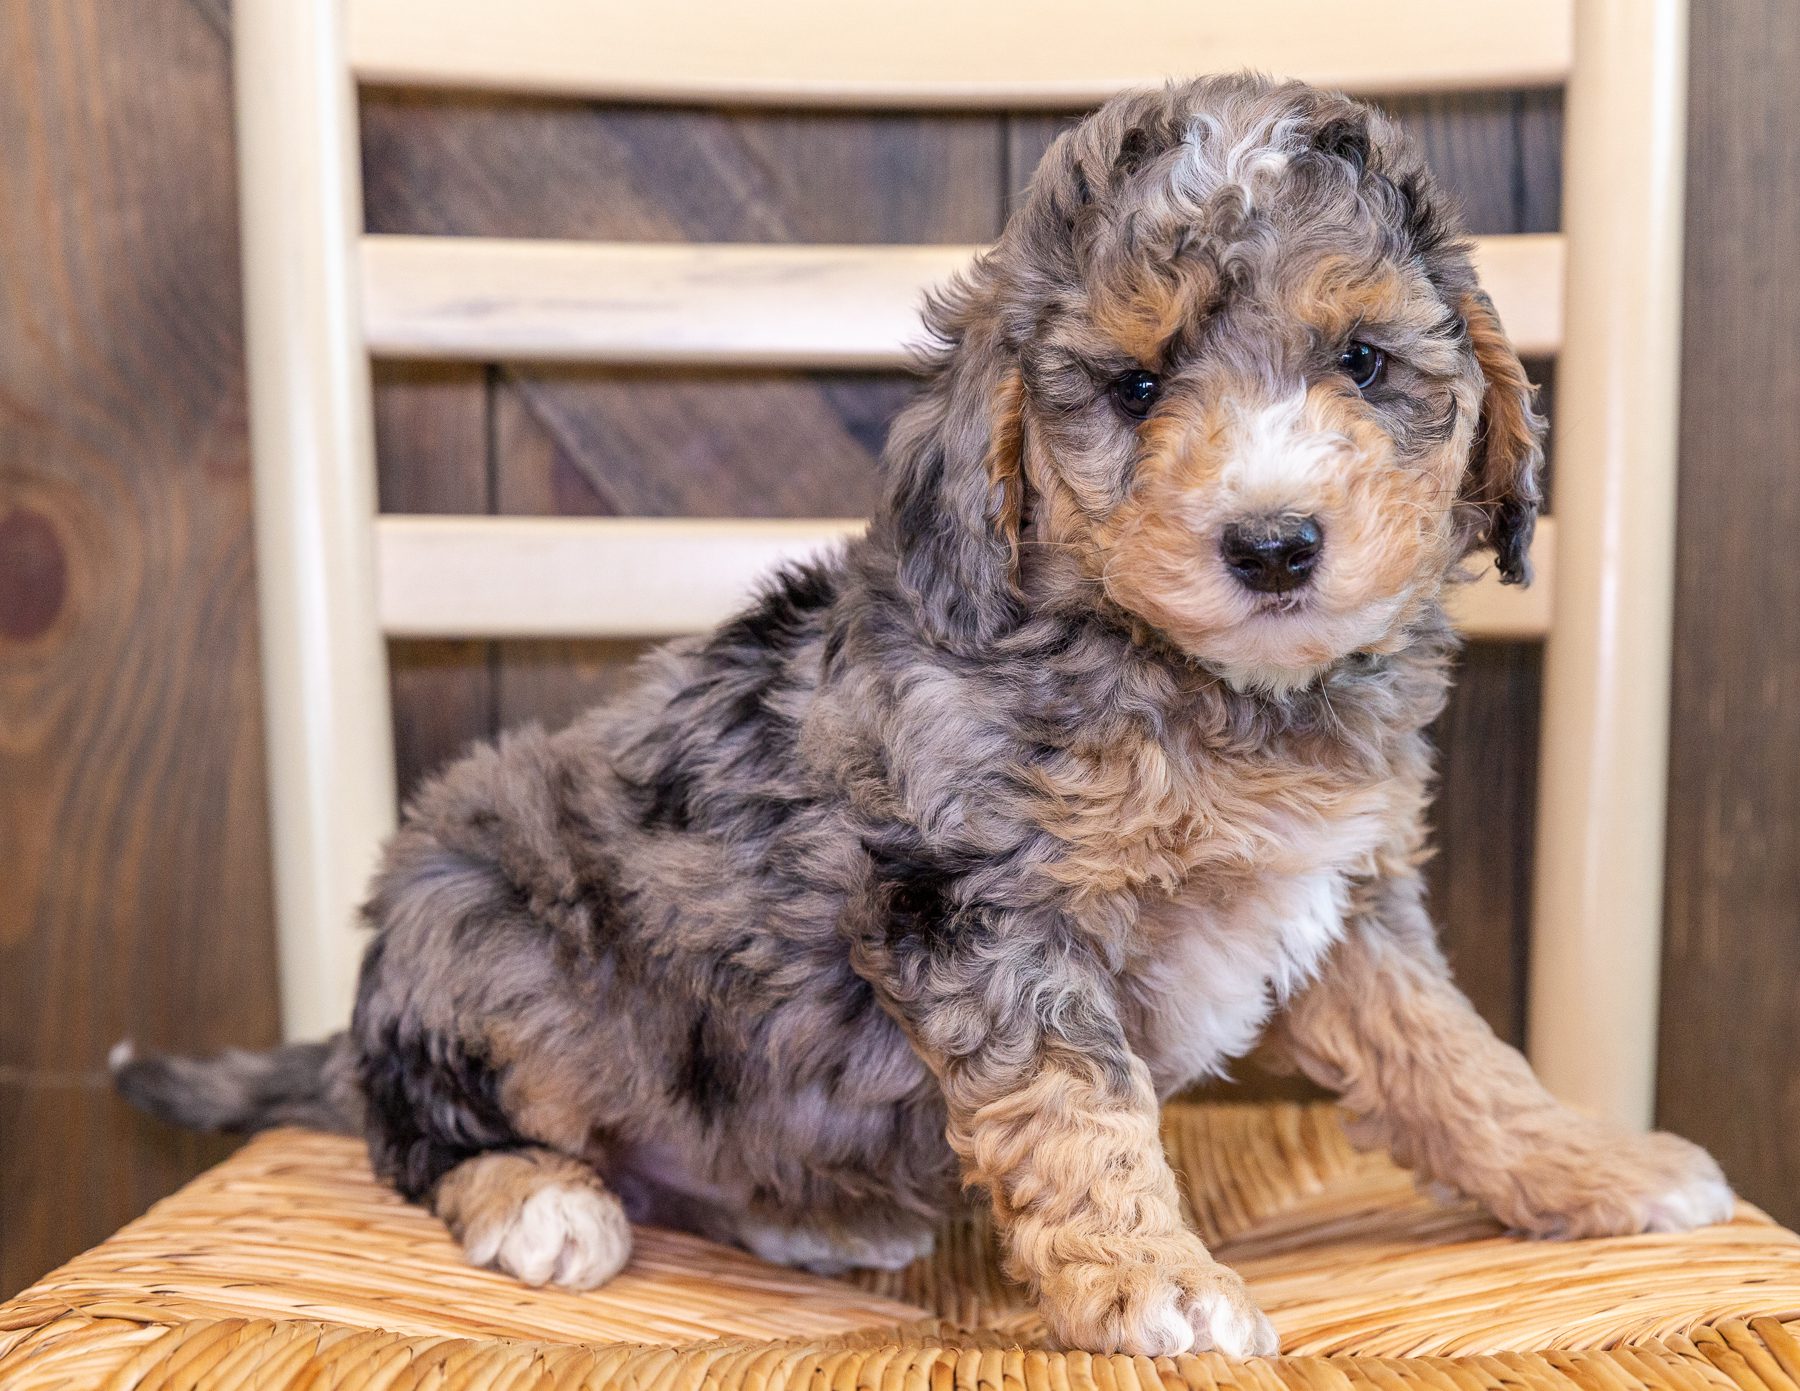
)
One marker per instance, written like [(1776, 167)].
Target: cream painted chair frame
[(322, 297)]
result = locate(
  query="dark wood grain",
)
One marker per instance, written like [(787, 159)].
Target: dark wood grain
[(681, 443), (502, 167), (134, 898), (78, 1164), (1539, 187), (1730, 1062), (1483, 826)]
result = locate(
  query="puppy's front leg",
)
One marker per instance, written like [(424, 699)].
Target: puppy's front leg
[(1385, 1027), (1053, 1115)]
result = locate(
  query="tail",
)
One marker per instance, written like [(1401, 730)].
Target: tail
[(309, 1084)]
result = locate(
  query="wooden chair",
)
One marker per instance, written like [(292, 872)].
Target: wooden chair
[(289, 1264), (323, 298)]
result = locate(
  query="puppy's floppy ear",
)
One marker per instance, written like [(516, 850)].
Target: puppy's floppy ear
[(1503, 478), (1345, 136), (955, 493)]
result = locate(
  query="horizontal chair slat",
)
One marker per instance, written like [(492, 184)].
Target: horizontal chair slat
[(578, 577), (947, 53), (484, 299), (501, 577), (734, 305)]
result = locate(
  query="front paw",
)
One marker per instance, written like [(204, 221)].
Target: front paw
[(1603, 1182), (570, 1234), (1155, 1299)]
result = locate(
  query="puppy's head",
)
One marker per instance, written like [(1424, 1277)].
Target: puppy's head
[(1228, 370)]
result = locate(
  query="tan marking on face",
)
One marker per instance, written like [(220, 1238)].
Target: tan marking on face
[(1321, 455), (1341, 295), (1143, 307), (1229, 451)]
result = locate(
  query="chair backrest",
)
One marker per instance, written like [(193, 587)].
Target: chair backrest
[(323, 298)]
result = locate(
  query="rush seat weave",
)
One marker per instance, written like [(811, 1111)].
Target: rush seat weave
[(289, 1266)]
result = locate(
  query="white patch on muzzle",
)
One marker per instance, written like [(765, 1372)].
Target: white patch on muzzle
[(1278, 463)]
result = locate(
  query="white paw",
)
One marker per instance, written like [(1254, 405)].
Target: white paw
[(1162, 1329), (567, 1234), (1601, 1182), (1700, 1201), (1158, 1309), (832, 1253), (1228, 1321)]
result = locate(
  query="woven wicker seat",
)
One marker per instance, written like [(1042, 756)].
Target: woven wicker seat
[(289, 1266)]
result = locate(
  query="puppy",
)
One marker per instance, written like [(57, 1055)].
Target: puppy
[(1102, 756)]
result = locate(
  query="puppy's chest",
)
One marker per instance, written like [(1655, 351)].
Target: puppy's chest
[(1241, 867), (1205, 970), (1172, 819)]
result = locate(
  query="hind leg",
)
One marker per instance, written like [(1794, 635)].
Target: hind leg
[(537, 1215), (828, 1251)]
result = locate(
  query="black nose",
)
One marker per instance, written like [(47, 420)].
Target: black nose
[(1274, 554)]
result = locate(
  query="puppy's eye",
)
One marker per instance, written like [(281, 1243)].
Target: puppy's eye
[(1136, 393), (1363, 363)]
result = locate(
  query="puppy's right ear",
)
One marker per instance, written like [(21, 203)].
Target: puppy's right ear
[(1503, 484), (955, 467)]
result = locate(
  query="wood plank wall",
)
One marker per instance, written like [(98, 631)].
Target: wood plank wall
[(134, 866), (134, 888), (1729, 1072)]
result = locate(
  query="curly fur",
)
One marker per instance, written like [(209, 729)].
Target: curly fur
[(947, 857)]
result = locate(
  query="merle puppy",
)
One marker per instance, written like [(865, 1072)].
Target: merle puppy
[(1101, 757)]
